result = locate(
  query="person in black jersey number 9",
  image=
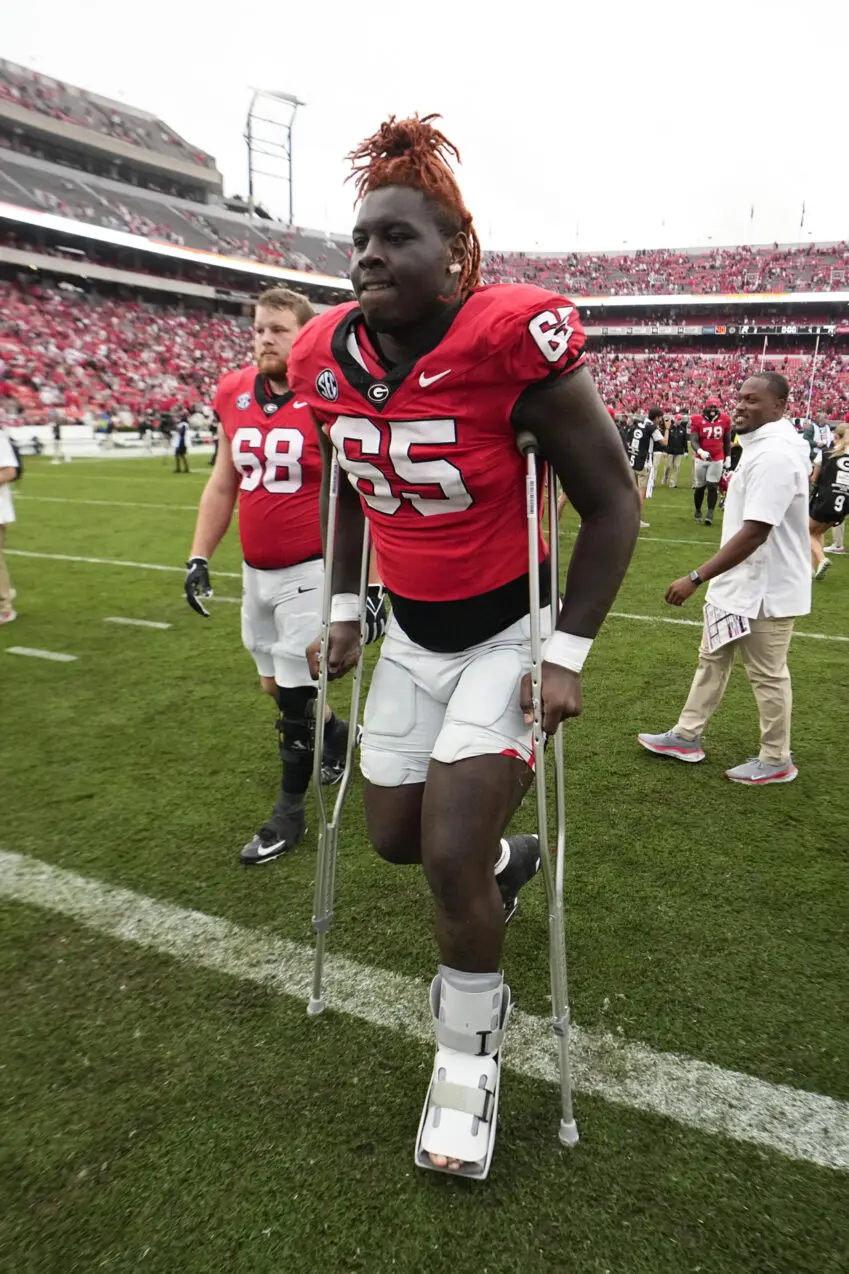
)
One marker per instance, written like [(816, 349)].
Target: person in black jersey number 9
[(421, 385)]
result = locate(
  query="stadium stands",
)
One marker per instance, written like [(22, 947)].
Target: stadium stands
[(120, 206), (60, 348), (29, 182), (124, 170), (71, 105), (629, 382), (661, 272)]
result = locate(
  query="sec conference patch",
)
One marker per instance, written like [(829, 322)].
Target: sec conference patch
[(325, 383)]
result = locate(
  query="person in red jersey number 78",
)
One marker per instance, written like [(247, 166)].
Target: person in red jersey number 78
[(710, 435), (421, 385)]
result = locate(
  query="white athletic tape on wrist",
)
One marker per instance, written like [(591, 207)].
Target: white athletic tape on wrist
[(567, 650), (344, 608)]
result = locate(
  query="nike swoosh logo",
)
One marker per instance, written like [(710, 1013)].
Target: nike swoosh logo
[(424, 381), (310, 589), (264, 850), (296, 405)]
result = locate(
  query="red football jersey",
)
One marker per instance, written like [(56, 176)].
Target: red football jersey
[(429, 444), (275, 449), (710, 433)]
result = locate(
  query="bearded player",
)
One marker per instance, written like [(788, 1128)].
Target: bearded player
[(420, 386), (271, 462), (710, 436)]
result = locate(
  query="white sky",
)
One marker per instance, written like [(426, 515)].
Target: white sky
[(652, 123)]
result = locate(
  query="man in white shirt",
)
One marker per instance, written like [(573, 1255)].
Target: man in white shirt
[(760, 579), (8, 474)]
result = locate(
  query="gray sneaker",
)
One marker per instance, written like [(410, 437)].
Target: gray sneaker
[(672, 744), (758, 773)]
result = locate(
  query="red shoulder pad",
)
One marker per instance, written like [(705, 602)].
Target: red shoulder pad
[(311, 353), (230, 384), (539, 334)]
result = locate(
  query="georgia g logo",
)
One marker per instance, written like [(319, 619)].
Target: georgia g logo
[(325, 383), (378, 392), (243, 402)]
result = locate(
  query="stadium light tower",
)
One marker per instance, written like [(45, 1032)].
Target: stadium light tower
[(276, 111)]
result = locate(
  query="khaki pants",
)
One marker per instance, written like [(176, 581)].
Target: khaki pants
[(764, 656), (670, 473), (5, 582)]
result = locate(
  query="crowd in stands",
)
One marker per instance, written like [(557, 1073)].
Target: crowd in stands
[(75, 106), (62, 350), (190, 271), (112, 214), (630, 381), (815, 267), (65, 351), (71, 193), (664, 272)]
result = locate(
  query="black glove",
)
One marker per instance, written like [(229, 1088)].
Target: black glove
[(376, 616), (197, 584)]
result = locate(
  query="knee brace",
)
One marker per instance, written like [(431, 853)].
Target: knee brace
[(297, 733)]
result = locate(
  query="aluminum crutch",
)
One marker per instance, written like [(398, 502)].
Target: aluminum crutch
[(552, 876), (328, 827)]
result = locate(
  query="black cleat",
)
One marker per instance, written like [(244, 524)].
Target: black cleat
[(283, 831), (709, 520), (333, 763), (697, 517), (524, 864)]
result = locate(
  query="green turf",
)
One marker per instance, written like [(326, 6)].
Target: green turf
[(162, 1119), (702, 918)]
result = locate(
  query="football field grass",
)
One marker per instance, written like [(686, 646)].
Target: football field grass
[(167, 1105)]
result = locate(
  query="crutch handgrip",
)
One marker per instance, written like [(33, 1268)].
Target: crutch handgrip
[(526, 441)]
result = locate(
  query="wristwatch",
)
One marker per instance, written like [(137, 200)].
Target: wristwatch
[(695, 577)]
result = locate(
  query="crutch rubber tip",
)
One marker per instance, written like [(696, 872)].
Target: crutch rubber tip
[(317, 1006), (526, 441), (568, 1133)]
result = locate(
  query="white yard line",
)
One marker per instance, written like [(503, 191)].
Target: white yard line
[(135, 623), (111, 504), (113, 561), (153, 566), (698, 623), (802, 1125), (662, 539), (55, 655), (571, 532), (113, 477), (655, 619)]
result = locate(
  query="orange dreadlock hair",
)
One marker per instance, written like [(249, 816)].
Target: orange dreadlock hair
[(411, 152)]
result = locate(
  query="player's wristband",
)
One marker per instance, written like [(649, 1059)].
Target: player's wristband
[(567, 650), (344, 608)]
